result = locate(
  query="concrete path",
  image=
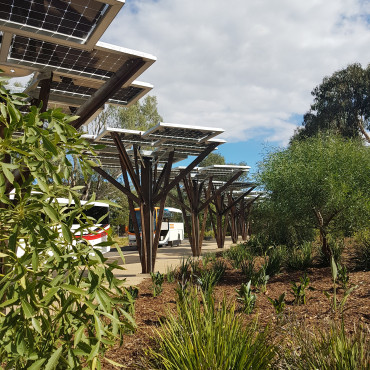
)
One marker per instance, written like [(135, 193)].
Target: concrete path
[(167, 258)]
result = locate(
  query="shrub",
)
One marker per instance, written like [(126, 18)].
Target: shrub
[(237, 254), (279, 303), (170, 275), (362, 240), (300, 257), (247, 267), (61, 299), (202, 336), (184, 268), (260, 279), (275, 259)]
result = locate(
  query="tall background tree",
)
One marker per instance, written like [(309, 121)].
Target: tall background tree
[(320, 182), (341, 104)]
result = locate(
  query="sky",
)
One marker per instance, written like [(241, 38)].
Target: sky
[(246, 66)]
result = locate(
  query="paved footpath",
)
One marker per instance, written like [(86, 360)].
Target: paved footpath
[(167, 258)]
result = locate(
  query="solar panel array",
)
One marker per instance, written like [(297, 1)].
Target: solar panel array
[(154, 146), (62, 36), (66, 91)]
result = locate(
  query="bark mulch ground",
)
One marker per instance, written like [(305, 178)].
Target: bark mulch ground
[(317, 313)]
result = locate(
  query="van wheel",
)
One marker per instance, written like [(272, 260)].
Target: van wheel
[(170, 244)]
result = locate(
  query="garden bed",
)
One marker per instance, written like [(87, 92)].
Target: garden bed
[(316, 314)]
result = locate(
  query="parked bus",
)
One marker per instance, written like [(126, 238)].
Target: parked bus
[(99, 232), (96, 234), (172, 227)]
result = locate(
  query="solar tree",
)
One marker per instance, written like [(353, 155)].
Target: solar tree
[(145, 161), (201, 188), (57, 41)]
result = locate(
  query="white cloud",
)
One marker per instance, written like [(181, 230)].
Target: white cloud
[(245, 66)]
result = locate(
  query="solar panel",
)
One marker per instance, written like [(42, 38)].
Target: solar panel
[(180, 133), (75, 21), (99, 63), (66, 91), (150, 145), (219, 171)]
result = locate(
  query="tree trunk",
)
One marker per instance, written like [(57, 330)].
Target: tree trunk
[(363, 131), (322, 227)]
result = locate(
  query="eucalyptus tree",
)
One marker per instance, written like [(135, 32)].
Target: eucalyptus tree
[(320, 181), (341, 104)]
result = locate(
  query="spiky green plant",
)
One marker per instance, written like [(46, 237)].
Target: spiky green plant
[(278, 303), (202, 336), (208, 279), (299, 290), (157, 279), (246, 297), (330, 349)]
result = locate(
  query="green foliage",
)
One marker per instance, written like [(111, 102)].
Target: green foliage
[(219, 266), (140, 116), (276, 257), (321, 182), (362, 240), (270, 228), (170, 275), (260, 279), (211, 159), (279, 303), (195, 265), (299, 290), (208, 279), (202, 336), (300, 257), (157, 280), (59, 298), (184, 268), (343, 276), (331, 349), (129, 298), (341, 104), (334, 273), (208, 257), (237, 254), (247, 267), (246, 297)]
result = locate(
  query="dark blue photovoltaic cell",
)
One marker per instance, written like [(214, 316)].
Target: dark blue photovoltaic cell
[(72, 18)]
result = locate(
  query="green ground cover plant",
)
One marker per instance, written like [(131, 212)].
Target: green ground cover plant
[(246, 297), (157, 280), (205, 336), (332, 349)]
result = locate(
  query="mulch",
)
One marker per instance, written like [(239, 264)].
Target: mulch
[(316, 313)]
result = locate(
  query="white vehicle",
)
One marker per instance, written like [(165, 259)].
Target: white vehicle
[(96, 234), (99, 232), (172, 227)]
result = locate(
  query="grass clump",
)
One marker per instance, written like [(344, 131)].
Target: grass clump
[(300, 258), (274, 260), (331, 349), (362, 240), (237, 254), (202, 336), (157, 280)]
